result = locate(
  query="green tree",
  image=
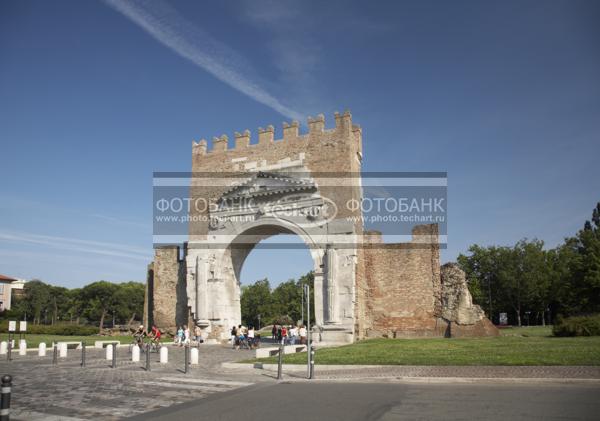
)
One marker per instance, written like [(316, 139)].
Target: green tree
[(518, 278), (75, 306), (482, 270), (99, 300), (588, 272), (256, 300), (129, 302), (58, 302), (37, 295), (282, 303)]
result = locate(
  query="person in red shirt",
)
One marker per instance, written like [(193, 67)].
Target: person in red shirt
[(155, 335), (284, 335)]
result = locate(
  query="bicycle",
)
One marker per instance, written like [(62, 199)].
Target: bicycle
[(155, 345), (244, 343)]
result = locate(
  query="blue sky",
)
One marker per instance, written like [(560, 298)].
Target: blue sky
[(96, 96)]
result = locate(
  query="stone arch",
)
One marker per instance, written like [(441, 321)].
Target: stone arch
[(214, 267), (267, 228)]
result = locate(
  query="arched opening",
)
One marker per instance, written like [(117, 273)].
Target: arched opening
[(272, 280), (215, 277), (267, 249)]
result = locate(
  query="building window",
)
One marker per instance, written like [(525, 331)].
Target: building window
[(1, 288)]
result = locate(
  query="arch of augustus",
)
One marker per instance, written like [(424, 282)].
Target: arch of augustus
[(302, 185)]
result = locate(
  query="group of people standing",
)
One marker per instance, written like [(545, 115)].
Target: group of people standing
[(244, 336), (183, 335), (289, 335)]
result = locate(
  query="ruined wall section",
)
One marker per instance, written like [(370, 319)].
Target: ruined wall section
[(169, 308), (463, 318), (149, 296), (399, 286)]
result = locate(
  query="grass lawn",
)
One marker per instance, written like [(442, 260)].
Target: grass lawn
[(515, 346), (34, 340)]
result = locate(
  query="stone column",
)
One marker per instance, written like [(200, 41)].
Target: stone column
[(202, 292), (318, 299), (331, 286)]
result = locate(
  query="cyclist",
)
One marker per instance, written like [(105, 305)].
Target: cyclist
[(155, 335), (139, 336)]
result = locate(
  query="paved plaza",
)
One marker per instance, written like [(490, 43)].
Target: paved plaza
[(66, 391)]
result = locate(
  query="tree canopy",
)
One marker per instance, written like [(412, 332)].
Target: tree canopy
[(282, 304), (528, 280), (48, 304)]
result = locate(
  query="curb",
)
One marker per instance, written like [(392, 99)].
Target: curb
[(454, 380), (295, 368)]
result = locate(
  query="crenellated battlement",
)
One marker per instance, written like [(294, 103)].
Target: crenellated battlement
[(290, 133)]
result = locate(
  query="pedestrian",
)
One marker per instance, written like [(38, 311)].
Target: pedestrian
[(274, 332), (251, 337), (186, 335), (302, 332), (279, 336), (283, 335), (233, 336), (179, 337), (293, 335), (198, 334), (240, 336)]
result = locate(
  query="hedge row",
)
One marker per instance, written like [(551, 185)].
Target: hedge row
[(65, 329), (577, 326)]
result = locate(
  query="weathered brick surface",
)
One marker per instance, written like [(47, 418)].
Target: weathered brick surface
[(398, 287), (169, 307)]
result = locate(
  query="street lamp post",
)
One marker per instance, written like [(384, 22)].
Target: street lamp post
[(302, 317), (306, 291)]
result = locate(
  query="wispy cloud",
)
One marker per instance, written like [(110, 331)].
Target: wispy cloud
[(120, 221), (171, 29), (18, 204), (295, 51), (79, 245)]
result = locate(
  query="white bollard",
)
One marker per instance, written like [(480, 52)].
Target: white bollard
[(135, 354), (3, 347), (194, 356), (23, 347), (62, 350), (164, 355), (109, 352), (42, 349)]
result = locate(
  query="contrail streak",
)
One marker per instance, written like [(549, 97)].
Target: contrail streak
[(168, 27)]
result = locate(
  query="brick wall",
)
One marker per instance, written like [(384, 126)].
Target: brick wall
[(398, 287), (169, 306)]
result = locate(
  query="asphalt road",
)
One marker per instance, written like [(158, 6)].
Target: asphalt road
[(392, 401)]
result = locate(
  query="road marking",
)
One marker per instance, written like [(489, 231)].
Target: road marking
[(205, 381), (184, 386), (34, 416)]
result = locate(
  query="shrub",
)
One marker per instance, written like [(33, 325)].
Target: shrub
[(65, 329), (577, 326)]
